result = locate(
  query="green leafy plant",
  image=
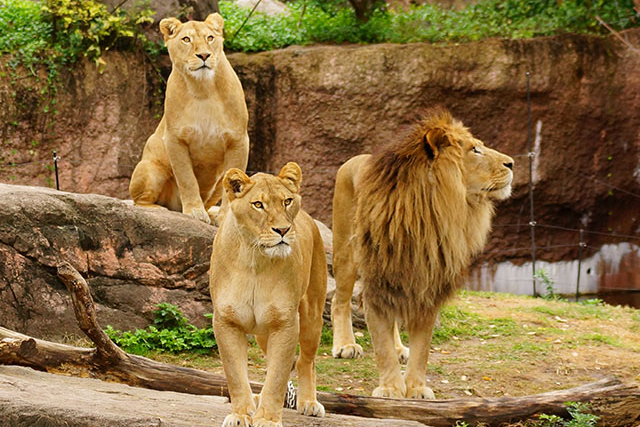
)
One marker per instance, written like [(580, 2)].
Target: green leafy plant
[(315, 21), (578, 413), (548, 282), (171, 332)]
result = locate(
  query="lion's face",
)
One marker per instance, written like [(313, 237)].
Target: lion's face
[(264, 207), (194, 47), (485, 171)]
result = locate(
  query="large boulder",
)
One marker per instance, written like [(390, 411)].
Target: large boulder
[(133, 259)]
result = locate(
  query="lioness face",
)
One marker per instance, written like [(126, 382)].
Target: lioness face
[(487, 171), (194, 47), (265, 206)]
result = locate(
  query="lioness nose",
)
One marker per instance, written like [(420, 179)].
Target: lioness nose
[(282, 231), (509, 165), (203, 56)]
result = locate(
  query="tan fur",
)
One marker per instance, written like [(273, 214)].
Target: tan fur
[(268, 278), (422, 208), (203, 131)]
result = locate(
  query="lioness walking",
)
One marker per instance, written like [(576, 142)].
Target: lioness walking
[(268, 278)]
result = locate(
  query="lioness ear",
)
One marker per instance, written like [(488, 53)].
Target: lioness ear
[(236, 183), (215, 20), (434, 140), (169, 27), (291, 175)]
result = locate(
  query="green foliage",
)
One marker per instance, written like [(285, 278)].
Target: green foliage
[(459, 323), (579, 417), (548, 283), (171, 333), (315, 21)]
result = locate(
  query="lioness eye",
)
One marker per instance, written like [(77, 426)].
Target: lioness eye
[(186, 39), (210, 38), (288, 201), (257, 205)]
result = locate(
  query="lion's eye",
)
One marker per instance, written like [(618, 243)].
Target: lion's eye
[(288, 201), (186, 39), (210, 39), (257, 205), (475, 150)]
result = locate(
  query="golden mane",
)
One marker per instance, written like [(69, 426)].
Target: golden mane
[(416, 226)]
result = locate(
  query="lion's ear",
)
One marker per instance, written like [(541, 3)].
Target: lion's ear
[(215, 20), (435, 140), (291, 175), (235, 183), (169, 27)]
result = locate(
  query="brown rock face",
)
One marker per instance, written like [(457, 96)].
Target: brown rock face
[(133, 259), (321, 105)]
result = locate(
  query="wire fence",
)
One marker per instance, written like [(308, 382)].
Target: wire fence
[(532, 224)]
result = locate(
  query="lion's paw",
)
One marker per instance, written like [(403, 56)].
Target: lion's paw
[(237, 420), (263, 422), (422, 392), (199, 213), (348, 351), (388, 392), (311, 408), (403, 354)]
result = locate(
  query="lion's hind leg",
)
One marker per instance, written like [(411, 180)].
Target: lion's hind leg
[(401, 349), (147, 182), (420, 332)]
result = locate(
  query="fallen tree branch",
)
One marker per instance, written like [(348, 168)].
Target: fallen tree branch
[(615, 403)]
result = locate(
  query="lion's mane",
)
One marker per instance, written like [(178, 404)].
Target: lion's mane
[(416, 227)]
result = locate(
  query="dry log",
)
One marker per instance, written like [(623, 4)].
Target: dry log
[(617, 404)]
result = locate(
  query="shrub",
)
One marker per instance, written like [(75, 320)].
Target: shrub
[(171, 333)]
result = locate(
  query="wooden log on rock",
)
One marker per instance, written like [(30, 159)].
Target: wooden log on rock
[(615, 403)]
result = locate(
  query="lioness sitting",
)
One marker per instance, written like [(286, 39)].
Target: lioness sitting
[(268, 278), (408, 220), (203, 131)]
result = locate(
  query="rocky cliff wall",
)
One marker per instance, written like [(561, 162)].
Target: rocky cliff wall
[(321, 105)]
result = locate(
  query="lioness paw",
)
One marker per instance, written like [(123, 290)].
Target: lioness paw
[(348, 351), (199, 213), (237, 420), (311, 408), (423, 392), (388, 392)]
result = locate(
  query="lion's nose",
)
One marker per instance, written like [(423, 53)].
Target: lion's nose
[(509, 165), (282, 231), (203, 56)]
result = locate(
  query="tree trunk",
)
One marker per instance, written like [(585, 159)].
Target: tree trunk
[(616, 404)]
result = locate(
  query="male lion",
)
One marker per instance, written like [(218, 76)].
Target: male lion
[(413, 214), (203, 131), (268, 278)]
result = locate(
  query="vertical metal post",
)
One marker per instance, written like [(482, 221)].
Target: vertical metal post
[(55, 167), (580, 246), (532, 221)]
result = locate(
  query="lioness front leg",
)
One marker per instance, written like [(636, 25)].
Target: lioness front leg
[(182, 166), (281, 349), (391, 383), (420, 332), (232, 345)]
